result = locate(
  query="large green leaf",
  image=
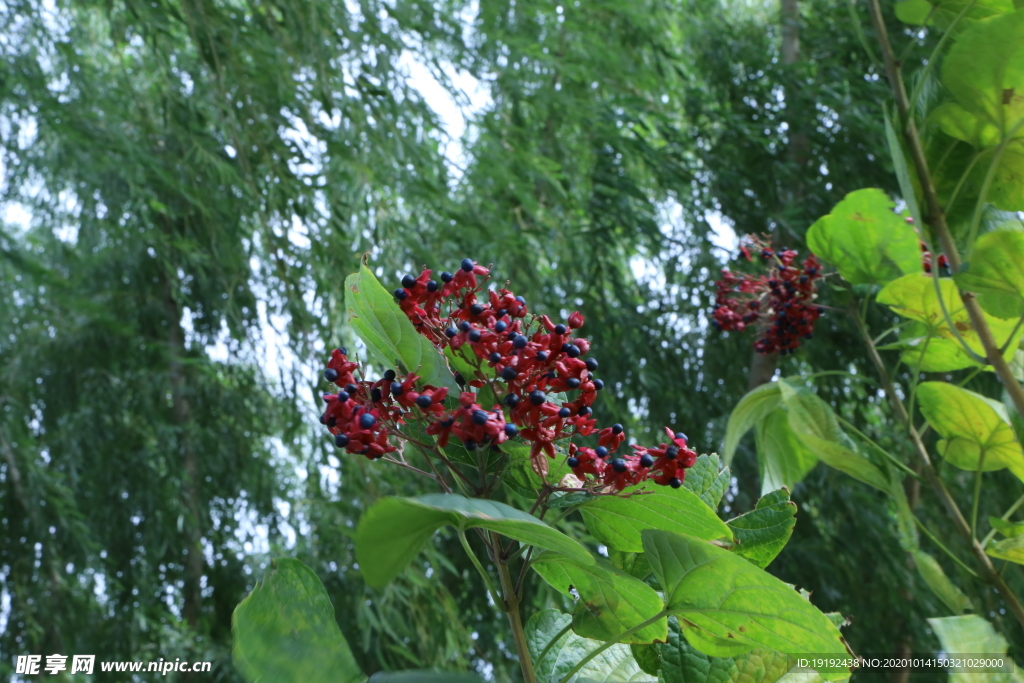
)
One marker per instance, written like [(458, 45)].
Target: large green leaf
[(285, 630), (393, 531), (865, 240), (610, 601), (634, 564), (973, 635), (617, 521), (914, 297), (614, 665), (681, 662), (816, 426), (971, 426), (764, 531), (711, 589), (388, 333), (782, 458), (995, 270), (931, 571), (706, 481), (751, 409)]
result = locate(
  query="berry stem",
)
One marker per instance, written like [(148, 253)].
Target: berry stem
[(512, 609)]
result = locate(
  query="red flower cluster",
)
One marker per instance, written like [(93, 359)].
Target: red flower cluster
[(779, 303), (355, 419), (524, 361), (926, 256)]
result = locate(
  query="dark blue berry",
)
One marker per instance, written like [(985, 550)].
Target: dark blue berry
[(573, 351), (343, 396), (330, 374), (511, 430), (424, 401), (599, 384), (619, 465), (675, 482), (480, 417), (680, 435), (560, 329), (323, 419), (375, 394), (520, 341), (572, 462), (465, 326), (509, 374), (469, 444), (389, 375), (432, 285), (474, 336), (601, 451), (476, 309), (512, 400), (446, 276), (646, 460), (396, 388), (542, 356), (572, 383), (351, 389), (521, 300), (408, 281), (401, 294), (340, 440), (502, 312), (564, 413), (451, 332), (591, 364), (448, 423), (459, 379), (500, 327), (331, 421), (537, 397), (616, 428), (585, 411), (467, 265), (342, 350), (495, 357), (671, 452), (366, 420)]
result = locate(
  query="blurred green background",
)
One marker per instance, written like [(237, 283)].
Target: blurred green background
[(186, 184)]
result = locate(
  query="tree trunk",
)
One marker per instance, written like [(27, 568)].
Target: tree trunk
[(182, 412)]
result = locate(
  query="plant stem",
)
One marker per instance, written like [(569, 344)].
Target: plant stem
[(888, 456), (977, 495), (984, 562), (936, 217), (512, 609), (943, 548), (480, 568), (608, 643)]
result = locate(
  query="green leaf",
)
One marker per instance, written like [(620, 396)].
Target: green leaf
[(995, 269), (388, 333), (782, 458), (706, 481), (614, 665), (682, 662), (285, 630), (617, 521), (393, 531), (423, 677), (913, 296), (1011, 549), (610, 601), (968, 635), (725, 596), (1008, 529), (899, 162), (763, 532), (634, 564), (866, 240), (751, 409), (942, 13), (971, 427), (946, 590), (647, 657), (816, 426)]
